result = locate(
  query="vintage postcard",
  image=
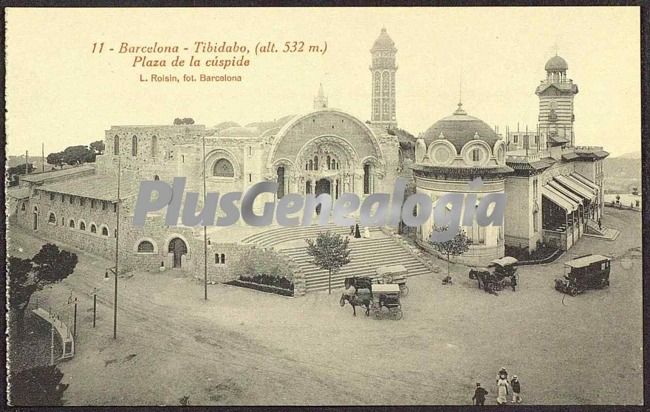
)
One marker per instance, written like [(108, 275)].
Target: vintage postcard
[(324, 206)]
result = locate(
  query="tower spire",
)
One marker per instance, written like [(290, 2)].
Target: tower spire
[(320, 101), (383, 68)]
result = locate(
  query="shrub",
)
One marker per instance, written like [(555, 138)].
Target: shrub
[(257, 262)]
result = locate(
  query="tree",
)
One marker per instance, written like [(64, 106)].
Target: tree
[(22, 284), (458, 245), (56, 159), (330, 251), (15, 171), (98, 147), (49, 265), (40, 386), (187, 120), (79, 154)]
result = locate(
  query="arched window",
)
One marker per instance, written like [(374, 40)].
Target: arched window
[(51, 218), (22, 207), (216, 258), (311, 164), (476, 155), (145, 247), (156, 177), (223, 168), (93, 228), (71, 224), (154, 146), (116, 145), (315, 162), (329, 164), (82, 226), (223, 258), (134, 145), (104, 231)]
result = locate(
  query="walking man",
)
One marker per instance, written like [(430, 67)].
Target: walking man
[(479, 395), (516, 388)]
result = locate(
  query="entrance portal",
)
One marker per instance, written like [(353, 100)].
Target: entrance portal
[(322, 186), (178, 247)]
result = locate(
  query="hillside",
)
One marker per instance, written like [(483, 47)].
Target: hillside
[(622, 173)]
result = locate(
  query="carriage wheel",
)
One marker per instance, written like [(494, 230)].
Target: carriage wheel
[(404, 290), (397, 314), (573, 291), (377, 313)]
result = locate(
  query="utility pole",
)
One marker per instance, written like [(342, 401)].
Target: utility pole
[(43, 157), (94, 306), (117, 244), (205, 235), (26, 162), (51, 338)]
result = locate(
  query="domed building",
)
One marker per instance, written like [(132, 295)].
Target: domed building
[(458, 149)]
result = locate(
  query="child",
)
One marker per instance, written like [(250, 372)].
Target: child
[(479, 395), (516, 388)]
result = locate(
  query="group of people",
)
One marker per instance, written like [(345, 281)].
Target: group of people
[(505, 389), (354, 231)]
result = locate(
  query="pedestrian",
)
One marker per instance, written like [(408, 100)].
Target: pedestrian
[(502, 390), (366, 232), (600, 225), (513, 281), (357, 233), (479, 395), (351, 230), (503, 374), (516, 389)]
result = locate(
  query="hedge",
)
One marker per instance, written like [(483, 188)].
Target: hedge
[(262, 288)]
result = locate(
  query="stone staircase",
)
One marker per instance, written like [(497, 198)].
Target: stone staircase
[(273, 237), (365, 254)]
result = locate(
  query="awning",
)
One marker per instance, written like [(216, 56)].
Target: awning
[(555, 197), (566, 192), (577, 186), (585, 181)]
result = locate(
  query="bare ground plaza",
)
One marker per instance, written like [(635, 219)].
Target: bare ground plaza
[(247, 347)]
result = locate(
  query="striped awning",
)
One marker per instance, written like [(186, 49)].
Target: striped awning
[(555, 197), (566, 192), (585, 181), (577, 187)]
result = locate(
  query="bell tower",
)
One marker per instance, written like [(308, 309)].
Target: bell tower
[(383, 70), (556, 105)]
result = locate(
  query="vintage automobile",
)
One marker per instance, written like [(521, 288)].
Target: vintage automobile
[(381, 299), (498, 274), (584, 272), (393, 274)]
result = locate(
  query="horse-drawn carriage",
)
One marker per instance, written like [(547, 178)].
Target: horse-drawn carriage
[(585, 272), (382, 299), (395, 274), (497, 275)]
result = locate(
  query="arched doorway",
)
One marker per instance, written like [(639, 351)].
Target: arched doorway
[(178, 247), (322, 186)]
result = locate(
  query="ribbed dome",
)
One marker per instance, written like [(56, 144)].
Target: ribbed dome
[(556, 64), (459, 129), (383, 42)]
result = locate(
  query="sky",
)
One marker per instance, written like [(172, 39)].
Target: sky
[(59, 93)]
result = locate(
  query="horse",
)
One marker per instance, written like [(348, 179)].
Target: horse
[(486, 278), (355, 301)]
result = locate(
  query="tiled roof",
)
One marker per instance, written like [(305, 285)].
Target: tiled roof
[(102, 187), (55, 174)]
